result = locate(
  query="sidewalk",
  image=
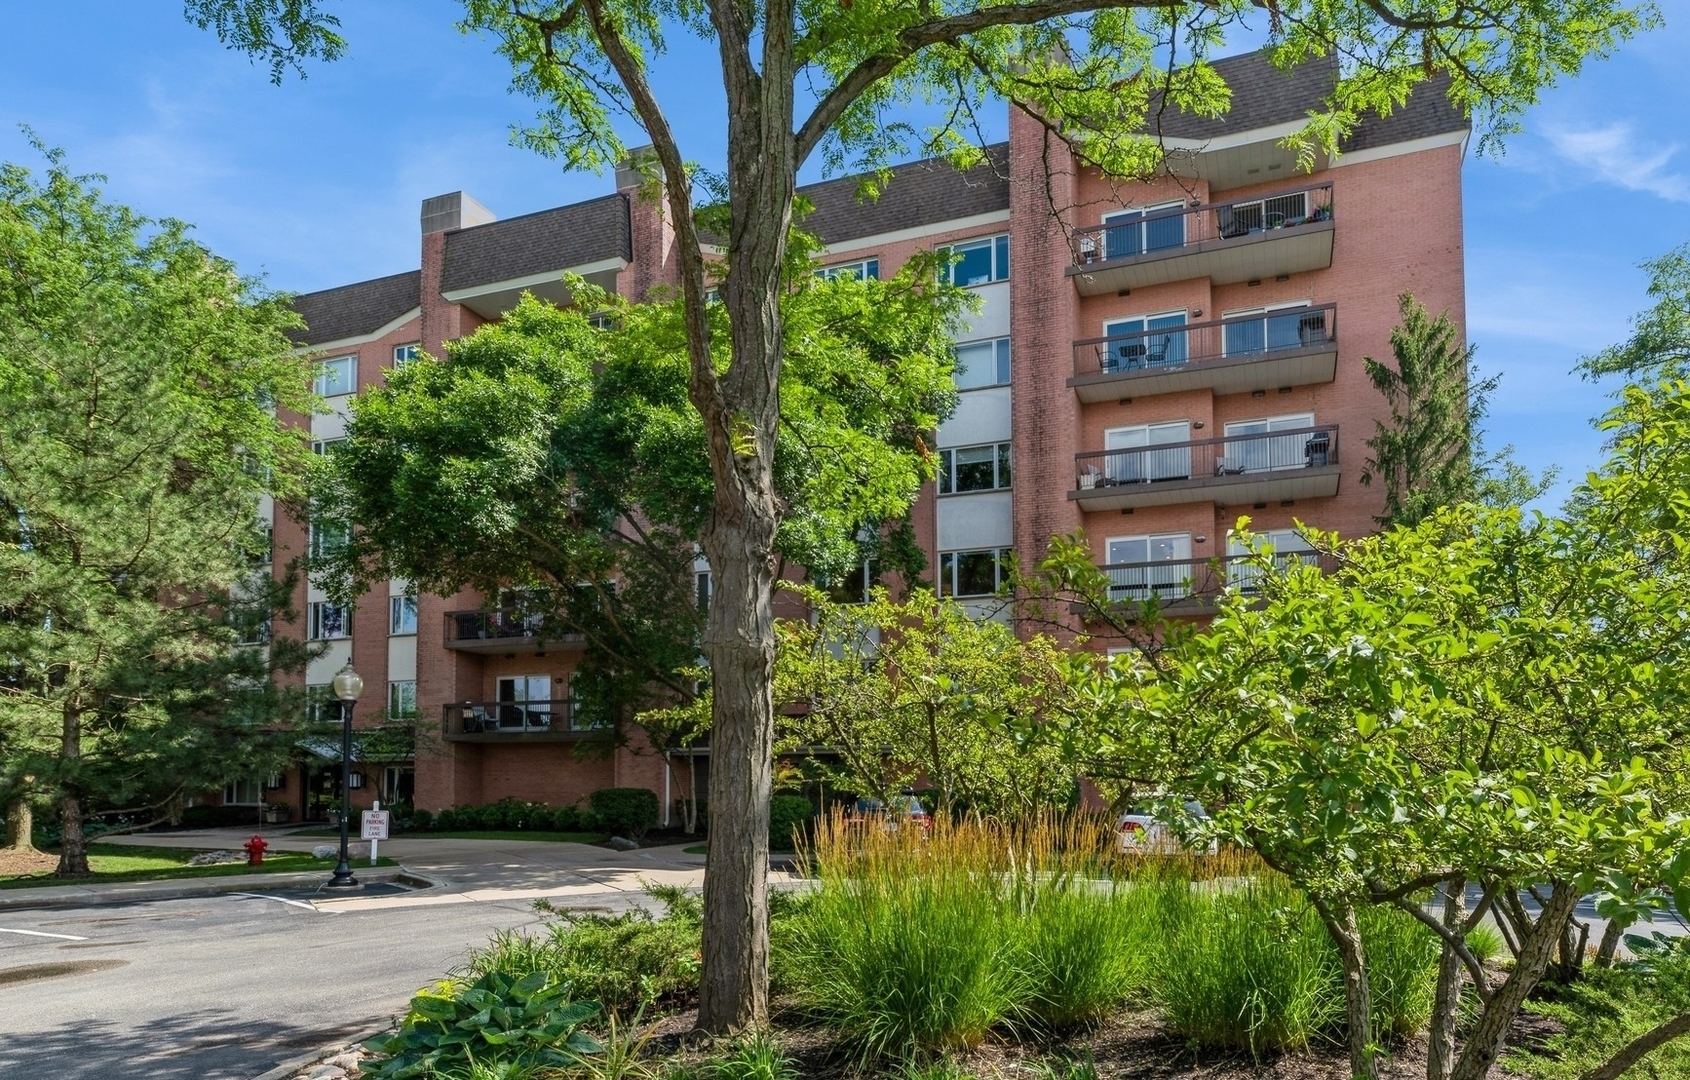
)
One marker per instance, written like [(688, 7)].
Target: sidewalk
[(134, 892)]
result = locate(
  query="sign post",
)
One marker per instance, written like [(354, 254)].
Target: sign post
[(374, 828)]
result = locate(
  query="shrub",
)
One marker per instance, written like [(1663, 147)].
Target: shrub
[(1485, 943), (1402, 970), (421, 820), (758, 1057), (787, 814), (1088, 946), (625, 962), (626, 811), (529, 1022), (218, 817)]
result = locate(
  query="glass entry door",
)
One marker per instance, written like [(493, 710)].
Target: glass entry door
[(1138, 344), (1128, 233), (1145, 566), (524, 701), (1148, 464), (1270, 451)]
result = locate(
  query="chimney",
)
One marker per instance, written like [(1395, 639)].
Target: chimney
[(634, 167), (457, 210)]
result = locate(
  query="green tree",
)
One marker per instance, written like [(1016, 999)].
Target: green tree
[(136, 438), (1430, 453), (812, 77), (1483, 698), (1659, 346)]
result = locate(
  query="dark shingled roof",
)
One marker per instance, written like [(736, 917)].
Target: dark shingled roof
[(921, 193), (1264, 96), (356, 310), (573, 235)]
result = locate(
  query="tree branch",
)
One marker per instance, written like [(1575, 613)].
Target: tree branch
[(1454, 942)]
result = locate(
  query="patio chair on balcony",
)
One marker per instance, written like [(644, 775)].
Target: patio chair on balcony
[(1157, 355), (1317, 449), (475, 718), (1231, 225), (1311, 329), (1088, 250), (1229, 466), (1127, 357)]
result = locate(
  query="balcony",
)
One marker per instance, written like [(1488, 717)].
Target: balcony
[(515, 721), (507, 632), (1292, 347), (1300, 463), (1194, 587), (1287, 232)]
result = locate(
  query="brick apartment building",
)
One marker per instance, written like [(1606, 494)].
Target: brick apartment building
[(1148, 363)]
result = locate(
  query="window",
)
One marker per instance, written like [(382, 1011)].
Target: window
[(1243, 218), (246, 791), (1277, 326), (852, 586), (1132, 465), (982, 363), (336, 377), (402, 700), (1149, 341), (330, 621), (701, 587), (405, 354), (1144, 566), (328, 538), (402, 615), (1148, 228), (1271, 451), (971, 573), (321, 706), (398, 784), (325, 447), (1288, 547), (973, 468), (865, 270), (979, 262), (253, 631)]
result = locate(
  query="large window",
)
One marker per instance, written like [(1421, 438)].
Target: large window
[(325, 447), (1133, 465), (1148, 341), (1288, 547), (863, 270), (402, 615), (1277, 326), (1272, 451), (328, 538), (852, 586), (1144, 566), (405, 354), (247, 791), (979, 262), (336, 377), (329, 621), (982, 363), (971, 573), (402, 700), (973, 468), (1130, 233)]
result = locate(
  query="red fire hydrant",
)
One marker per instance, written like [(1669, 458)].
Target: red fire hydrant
[(255, 851)]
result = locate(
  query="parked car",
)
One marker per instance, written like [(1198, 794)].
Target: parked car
[(1143, 832), (873, 812)]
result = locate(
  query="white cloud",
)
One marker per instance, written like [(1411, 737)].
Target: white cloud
[(1615, 154)]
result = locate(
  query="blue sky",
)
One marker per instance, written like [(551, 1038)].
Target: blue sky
[(318, 183)]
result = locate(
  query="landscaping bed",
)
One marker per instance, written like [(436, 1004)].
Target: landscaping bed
[(116, 863)]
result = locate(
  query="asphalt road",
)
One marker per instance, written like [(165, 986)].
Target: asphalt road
[(216, 987)]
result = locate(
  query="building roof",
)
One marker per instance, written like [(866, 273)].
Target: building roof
[(543, 242), (356, 310), (920, 193), (1264, 96)]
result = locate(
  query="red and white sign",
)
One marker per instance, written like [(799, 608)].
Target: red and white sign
[(374, 825)]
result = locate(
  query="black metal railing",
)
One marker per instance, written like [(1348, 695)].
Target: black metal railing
[(516, 718), (1130, 233), (1171, 581), (501, 625), (1256, 337), (1231, 455)]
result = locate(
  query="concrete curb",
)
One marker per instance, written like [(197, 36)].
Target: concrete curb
[(294, 1065), (143, 891)]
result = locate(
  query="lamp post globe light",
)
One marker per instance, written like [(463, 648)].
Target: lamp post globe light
[(347, 685)]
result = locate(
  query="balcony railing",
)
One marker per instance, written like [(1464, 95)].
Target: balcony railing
[(505, 718), (1244, 338), (1185, 585), (1216, 233), (505, 630), (1290, 464)]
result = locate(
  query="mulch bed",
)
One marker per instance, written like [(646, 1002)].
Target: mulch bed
[(25, 862)]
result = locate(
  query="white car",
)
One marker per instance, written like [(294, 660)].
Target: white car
[(1148, 834)]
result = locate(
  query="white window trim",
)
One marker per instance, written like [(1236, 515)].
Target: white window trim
[(948, 590), (394, 606), (997, 275), (1228, 432), (317, 376), (997, 484), (993, 343), (399, 361), (858, 267), (314, 626), (1144, 319)]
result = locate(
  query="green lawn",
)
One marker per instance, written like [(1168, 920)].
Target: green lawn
[(696, 849), (114, 862), (490, 834)]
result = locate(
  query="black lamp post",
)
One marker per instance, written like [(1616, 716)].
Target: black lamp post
[(348, 684)]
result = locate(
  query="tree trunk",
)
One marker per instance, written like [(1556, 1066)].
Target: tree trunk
[(73, 847), (1633, 1052), (1490, 1034), (20, 825), (1340, 920), (1610, 944), (1446, 1003)]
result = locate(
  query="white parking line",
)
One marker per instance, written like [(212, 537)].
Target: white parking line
[(39, 933), (277, 899)]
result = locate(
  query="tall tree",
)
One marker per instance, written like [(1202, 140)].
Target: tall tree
[(137, 434), (1430, 452), (1659, 345), (809, 77)]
